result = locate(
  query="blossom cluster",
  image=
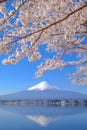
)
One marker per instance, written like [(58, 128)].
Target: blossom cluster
[(60, 24)]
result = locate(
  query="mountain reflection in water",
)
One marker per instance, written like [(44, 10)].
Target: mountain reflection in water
[(42, 120), (20, 117)]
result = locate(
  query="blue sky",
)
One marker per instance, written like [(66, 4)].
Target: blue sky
[(14, 78)]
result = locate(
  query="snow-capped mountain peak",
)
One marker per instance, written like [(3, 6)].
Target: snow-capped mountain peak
[(42, 86), (43, 91)]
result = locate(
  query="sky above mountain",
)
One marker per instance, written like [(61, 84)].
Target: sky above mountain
[(14, 78)]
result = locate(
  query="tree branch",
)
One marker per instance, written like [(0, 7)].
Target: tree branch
[(13, 13), (1, 1), (57, 22)]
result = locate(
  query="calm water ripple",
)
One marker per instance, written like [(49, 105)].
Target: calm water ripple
[(14, 117)]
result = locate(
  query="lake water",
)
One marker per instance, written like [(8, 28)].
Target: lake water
[(13, 117)]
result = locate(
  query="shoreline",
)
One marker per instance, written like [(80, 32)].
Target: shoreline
[(45, 102)]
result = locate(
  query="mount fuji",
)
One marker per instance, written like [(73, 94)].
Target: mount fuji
[(43, 91)]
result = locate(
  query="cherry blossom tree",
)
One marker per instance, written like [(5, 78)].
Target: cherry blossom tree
[(61, 25)]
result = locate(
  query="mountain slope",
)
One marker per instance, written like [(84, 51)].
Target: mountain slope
[(44, 91)]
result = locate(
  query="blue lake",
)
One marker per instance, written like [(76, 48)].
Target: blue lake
[(14, 117)]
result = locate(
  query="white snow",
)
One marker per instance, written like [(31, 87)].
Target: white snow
[(42, 86)]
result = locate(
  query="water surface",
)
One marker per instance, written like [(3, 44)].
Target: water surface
[(13, 117)]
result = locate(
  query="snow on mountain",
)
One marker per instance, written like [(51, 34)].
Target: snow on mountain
[(44, 91), (42, 86)]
